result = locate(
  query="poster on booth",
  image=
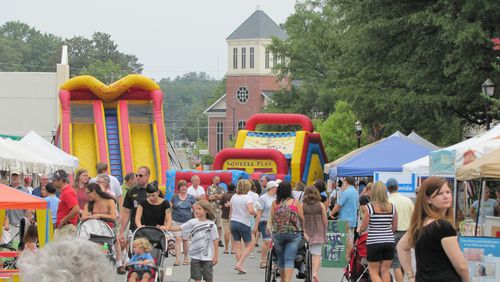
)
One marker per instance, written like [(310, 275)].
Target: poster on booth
[(334, 250), (483, 257), (407, 181)]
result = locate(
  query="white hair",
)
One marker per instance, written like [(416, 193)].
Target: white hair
[(68, 259)]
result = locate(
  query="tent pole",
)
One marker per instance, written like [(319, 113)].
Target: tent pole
[(483, 182), (455, 191)]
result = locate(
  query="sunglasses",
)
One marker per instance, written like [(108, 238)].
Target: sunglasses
[(139, 175)]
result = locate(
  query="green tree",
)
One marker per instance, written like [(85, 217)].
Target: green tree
[(338, 132), (23, 48), (186, 97), (402, 65), (107, 72)]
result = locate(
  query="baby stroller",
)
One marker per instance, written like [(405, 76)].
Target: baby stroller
[(302, 262), (99, 232), (158, 240), (357, 266), (10, 263)]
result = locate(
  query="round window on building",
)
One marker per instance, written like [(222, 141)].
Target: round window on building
[(242, 95)]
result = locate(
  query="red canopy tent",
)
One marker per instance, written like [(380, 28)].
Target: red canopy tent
[(14, 199)]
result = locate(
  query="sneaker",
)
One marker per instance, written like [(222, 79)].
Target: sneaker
[(220, 244), (120, 270)]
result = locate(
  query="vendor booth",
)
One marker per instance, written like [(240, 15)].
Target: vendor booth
[(387, 155), (13, 199)]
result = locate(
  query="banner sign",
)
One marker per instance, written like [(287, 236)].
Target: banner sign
[(442, 163), (251, 166), (281, 141), (483, 257), (407, 181), (334, 250)]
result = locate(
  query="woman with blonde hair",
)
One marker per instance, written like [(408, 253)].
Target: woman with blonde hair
[(241, 211), (315, 224), (381, 219), (433, 236)]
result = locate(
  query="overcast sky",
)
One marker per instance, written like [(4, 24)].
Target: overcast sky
[(169, 37)]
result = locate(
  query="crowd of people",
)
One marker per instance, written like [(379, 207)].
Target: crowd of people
[(247, 212)]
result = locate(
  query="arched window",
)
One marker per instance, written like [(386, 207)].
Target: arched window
[(235, 58), (243, 57), (252, 57), (241, 125)]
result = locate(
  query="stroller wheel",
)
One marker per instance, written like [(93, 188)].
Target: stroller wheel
[(271, 268)]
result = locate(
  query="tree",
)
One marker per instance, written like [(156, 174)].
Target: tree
[(23, 48), (402, 65), (186, 97), (338, 133), (107, 72), (99, 50)]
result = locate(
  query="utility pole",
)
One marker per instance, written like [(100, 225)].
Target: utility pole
[(197, 129)]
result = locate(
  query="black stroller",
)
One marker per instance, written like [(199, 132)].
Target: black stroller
[(160, 243), (303, 263)]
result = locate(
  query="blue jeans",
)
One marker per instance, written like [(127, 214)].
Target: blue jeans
[(286, 246)]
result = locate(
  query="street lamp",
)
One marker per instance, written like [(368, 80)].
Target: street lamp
[(359, 129), (488, 90), (53, 134)]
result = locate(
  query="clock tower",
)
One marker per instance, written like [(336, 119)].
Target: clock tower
[(250, 82)]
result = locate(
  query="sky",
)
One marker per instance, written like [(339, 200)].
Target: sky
[(169, 37)]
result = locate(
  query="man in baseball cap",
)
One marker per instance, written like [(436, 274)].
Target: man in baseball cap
[(67, 212), (404, 209)]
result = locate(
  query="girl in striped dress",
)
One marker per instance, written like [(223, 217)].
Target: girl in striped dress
[(381, 220)]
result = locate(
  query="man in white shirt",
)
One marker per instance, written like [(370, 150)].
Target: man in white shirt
[(404, 209), (114, 184), (195, 189)]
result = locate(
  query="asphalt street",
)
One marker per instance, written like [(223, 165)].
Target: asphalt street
[(224, 271)]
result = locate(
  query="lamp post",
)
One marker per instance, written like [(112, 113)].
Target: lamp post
[(488, 90), (359, 129), (53, 134)]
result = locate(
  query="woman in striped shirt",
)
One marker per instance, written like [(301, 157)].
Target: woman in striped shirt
[(381, 219)]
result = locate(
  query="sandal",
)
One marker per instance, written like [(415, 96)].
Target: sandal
[(240, 270), (177, 263), (186, 262), (263, 264), (225, 252)]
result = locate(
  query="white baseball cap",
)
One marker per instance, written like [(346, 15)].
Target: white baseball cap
[(271, 184)]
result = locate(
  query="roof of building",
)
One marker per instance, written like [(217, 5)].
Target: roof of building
[(258, 25)]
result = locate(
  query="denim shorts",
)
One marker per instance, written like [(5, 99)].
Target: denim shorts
[(264, 231), (286, 246), (241, 231)]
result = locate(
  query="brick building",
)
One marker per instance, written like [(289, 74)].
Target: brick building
[(250, 82)]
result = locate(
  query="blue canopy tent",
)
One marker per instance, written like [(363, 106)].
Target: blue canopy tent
[(387, 155)]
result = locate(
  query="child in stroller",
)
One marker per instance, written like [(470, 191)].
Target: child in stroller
[(157, 238), (141, 260), (302, 263)]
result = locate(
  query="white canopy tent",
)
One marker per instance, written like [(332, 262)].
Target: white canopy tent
[(13, 157), (480, 145), (36, 142), (33, 156)]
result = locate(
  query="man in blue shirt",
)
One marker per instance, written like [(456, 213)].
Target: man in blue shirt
[(347, 206)]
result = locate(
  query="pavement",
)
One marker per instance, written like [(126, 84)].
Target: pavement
[(224, 271)]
